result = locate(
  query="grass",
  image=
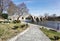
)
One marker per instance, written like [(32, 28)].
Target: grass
[(7, 32), (51, 34)]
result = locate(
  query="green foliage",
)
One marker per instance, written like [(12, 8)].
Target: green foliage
[(23, 25), (15, 27), (5, 16), (6, 21), (1, 21), (16, 21), (9, 30), (56, 37), (52, 34)]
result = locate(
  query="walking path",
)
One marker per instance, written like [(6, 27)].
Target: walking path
[(33, 34)]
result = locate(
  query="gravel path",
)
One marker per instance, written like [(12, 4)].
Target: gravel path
[(33, 34)]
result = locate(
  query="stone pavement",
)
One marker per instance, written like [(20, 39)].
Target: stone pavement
[(33, 34)]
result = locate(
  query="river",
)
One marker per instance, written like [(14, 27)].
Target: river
[(51, 24)]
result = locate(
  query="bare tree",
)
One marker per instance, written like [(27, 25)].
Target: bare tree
[(54, 15), (22, 10), (4, 5), (46, 15), (11, 9)]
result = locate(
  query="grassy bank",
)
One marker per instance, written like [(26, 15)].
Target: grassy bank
[(53, 35), (9, 30)]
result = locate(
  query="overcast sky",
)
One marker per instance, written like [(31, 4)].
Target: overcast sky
[(39, 7)]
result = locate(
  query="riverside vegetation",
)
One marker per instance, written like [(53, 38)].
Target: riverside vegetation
[(8, 30), (52, 34)]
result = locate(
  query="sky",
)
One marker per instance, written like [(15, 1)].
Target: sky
[(40, 7)]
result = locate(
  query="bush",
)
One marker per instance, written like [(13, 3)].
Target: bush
[(23, 25), (1, 21), (15, 27), (56, 37), (16, 21), (5, 16), (6, 21), (26, 24), (53, 30)]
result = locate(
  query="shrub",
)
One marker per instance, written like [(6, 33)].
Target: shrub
[(5, 16), (42, 28), (6, 21), (53, 30), (1, 21), (23, 25), (16, 21), (15, 27), (56, 37), (26, 24)]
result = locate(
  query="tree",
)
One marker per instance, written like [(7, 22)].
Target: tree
[(22, 10), (46, 14), (3, 5), (54, 15), (12, 9)]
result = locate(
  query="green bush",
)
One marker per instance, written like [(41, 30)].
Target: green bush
[(56, 37), (15, 27), (16, 21), (26, 24), (1, 21), (23, 25), (6, 21), (53, 30), (5, 16), (22, 17)]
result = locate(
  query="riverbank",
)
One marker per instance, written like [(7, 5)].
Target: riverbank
[(52, 34), (8, 30)]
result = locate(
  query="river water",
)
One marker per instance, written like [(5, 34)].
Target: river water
[(51, 24)]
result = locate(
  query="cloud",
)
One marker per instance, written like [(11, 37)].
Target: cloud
[(28, 1)]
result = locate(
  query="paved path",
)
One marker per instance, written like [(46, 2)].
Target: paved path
[(33, 34)]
